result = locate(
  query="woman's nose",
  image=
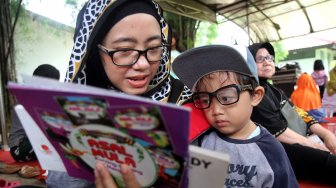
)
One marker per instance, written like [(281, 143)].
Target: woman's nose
[(142, 62)]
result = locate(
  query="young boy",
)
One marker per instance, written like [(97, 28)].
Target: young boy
[(224, 80)]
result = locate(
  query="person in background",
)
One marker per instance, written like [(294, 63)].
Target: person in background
[(122, 46), (329, 96), (224, 80), (319, 76), (176, 49), (310, 160), (307, 97), (20, 147)]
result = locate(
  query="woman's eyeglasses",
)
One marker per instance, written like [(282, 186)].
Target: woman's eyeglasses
[(261, 59), (128, 56)]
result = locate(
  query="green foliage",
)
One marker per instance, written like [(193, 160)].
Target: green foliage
[(206, 33), (185, 27), (281, 53)]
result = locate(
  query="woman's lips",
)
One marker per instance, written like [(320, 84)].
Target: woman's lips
[(138, 81)]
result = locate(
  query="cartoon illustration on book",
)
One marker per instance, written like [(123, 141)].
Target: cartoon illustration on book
[(82, 125), (85, 110), (90, 129), (58, 123)]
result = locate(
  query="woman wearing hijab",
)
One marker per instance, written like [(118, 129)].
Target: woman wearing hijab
[(309, 160), (123, 45), (307, 97)]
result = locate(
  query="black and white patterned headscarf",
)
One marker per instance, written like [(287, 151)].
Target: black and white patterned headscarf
[(93, 22)]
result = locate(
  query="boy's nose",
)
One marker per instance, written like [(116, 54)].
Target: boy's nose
[(215, 106)]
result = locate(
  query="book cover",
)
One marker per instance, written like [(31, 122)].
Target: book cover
[(86, 124)]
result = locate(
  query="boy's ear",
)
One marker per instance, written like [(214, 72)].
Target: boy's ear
[(257, 95)]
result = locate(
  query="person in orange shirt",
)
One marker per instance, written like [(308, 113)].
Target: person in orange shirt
[(307, 97)]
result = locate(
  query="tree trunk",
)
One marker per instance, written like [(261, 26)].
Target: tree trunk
[(185, 28), (7, 60)]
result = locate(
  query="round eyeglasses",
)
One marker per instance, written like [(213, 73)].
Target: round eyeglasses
[(225, 95), (128, 56), (261, 59)]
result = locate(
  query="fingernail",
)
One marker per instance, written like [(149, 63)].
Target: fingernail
[(124, 169), (95, 173)]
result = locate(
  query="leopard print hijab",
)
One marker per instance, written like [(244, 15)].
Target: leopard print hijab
[(85, 66)]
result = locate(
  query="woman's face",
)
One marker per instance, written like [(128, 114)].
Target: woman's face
[(138, 31), (266, 68)]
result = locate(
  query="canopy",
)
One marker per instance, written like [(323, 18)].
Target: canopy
[(263, 20)]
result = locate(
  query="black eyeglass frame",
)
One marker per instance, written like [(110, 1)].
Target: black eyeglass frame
[(110, 53), (269, 58), (239, 89)]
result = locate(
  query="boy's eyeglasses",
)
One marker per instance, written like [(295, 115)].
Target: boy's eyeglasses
[(261, 59), (128, 56), (226, 95)]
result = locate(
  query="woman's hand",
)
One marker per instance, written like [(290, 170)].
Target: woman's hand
[(291, 137), (326, 135), (105, 180), (330, 142), (315, 145)]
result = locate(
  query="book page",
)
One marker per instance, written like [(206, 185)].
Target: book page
[(207, 168), (44, 150)]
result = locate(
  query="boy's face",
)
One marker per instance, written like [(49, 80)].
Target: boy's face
[(232, 120)]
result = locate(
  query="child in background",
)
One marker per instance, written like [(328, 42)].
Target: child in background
[(319, 76), (20, 147), (224, 80)]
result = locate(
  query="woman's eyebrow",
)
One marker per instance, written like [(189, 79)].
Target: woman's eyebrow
[(124, 39), (157, 37), (133, 40)]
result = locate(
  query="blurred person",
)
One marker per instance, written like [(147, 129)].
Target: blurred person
[(307, 97), (20, 147), (176, 49), (329, 96), (319, 76)]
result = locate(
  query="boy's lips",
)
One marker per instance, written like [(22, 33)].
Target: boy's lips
[(222, 123)]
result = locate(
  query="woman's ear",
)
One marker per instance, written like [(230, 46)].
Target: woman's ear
[(257, 95)]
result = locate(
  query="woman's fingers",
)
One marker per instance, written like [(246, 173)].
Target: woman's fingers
[(129, 177), (103, 177), (105, 180)]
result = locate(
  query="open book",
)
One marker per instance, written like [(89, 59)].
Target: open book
[(72, 126)]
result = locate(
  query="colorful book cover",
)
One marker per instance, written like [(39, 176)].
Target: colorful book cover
[(86, 125)]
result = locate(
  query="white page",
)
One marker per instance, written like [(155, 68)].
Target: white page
[(207, 168), (48, 160)]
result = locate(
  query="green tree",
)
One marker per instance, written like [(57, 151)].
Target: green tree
[(281, 53), (185, 27), (206, 33)]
